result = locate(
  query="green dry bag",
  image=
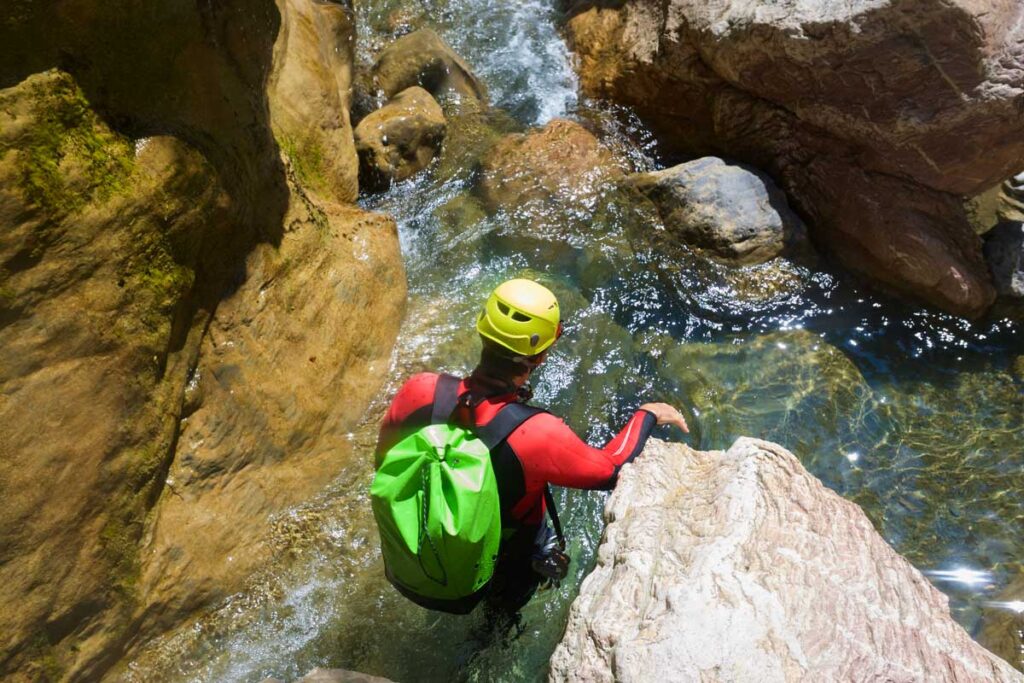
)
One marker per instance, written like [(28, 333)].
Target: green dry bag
[(436, 504)]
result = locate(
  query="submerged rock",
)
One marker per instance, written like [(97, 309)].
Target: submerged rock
[(741, 566), (422, 58), (1003, 623), (561, 167), (1004, 249), (319, 675), (399, 139), (876, 161), (734, 212)]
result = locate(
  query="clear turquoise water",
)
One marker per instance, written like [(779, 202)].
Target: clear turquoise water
[(914, 415)]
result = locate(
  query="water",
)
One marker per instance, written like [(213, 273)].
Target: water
[(914, 415)]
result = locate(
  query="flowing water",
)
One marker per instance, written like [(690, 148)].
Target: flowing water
[(914, 415)]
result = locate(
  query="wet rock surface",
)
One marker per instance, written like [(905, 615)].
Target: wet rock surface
[(734, 212), (143, 279), (423, 59), (1003, 623), (1004, 250), (399, 139), (100, 250), (875, 162), (740, 565), (335, 676), (562, 164)]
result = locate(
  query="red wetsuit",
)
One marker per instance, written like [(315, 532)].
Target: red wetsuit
[(542, 450)]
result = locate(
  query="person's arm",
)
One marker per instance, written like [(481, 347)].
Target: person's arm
[(550, 451)]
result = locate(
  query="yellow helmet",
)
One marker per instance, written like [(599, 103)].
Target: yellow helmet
[(522, 316)]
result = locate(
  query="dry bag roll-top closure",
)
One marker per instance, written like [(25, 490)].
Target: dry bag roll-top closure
[(435, 499)]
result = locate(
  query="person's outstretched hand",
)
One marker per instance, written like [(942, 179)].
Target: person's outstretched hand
[(666, 415)]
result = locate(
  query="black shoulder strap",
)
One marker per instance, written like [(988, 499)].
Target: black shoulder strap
[(505, 422), (553, 513), (446, 395)]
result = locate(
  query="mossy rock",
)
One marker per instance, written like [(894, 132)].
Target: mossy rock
[(66, 157)]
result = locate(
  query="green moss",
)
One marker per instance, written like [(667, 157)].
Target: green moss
[(7, 293), (69, 142), (44, 656), (126, 517), (308, 160)]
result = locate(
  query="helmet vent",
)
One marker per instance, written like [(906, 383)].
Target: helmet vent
[(503, 308), (521, 317)]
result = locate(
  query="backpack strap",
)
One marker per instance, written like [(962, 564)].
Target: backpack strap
[(505, 422), (553, 514), (446, 395)]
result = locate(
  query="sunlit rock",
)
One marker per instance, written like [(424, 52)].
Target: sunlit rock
[(399, 139), (732, 211), (741, 566), (422, 58), (877, 162), (560, 167)]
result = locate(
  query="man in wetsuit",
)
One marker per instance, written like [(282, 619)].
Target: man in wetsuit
[(518, 325)]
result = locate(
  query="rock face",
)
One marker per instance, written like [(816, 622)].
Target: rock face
[(875, 116), (308, 94), (422, 58), (741, 566), (1004, 249), (399, 139), (182, 287), (732, 211), (562, 163)]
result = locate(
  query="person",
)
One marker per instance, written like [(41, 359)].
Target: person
[(518, 325)]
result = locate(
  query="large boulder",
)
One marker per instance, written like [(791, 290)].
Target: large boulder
[(151, 184), (734, 212), (876, 116), (101, 246), (1004, 249), (741, 566), (422, 58), (399, 139)]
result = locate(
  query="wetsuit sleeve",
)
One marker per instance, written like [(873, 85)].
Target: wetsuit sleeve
[(550, 451)]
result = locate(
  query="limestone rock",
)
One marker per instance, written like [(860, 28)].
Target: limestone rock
[(422, 58), (100, 248), (116, 251), (1004, 249), (309, 95), (1011, 206), (561, 163), (399, 139), (283, 381), (874, 119), (741, 566), (734, 212)]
